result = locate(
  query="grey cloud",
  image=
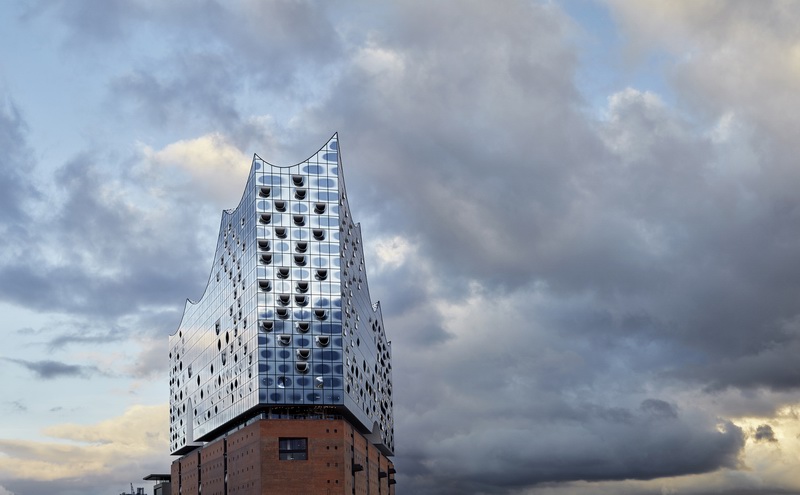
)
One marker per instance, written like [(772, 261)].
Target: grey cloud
[(223, 49), (190, 90), (506, 456), (574, 281), (613, 255), (413, 307), (769, 366), (16, 192), (64, 339), (90, 22), (728, 72), (50, 370), (764, 433), (268, 47), (16, 406), (658, 408), (432, 132), (114, 260)]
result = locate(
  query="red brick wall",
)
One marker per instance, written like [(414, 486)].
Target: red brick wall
[(188, 473), (212, 468), (254, 467), (175, 476), (322, 473), (244, 466)]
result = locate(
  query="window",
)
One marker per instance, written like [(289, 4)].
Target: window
[(293, 449)]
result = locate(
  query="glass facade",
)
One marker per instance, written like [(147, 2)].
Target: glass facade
[(286, 318)]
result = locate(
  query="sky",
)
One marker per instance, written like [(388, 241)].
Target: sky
[(581, 218)]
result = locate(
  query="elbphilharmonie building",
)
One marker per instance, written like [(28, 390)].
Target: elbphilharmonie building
[(286, 328)]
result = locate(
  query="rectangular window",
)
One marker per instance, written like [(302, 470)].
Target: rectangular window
[(293, 449)]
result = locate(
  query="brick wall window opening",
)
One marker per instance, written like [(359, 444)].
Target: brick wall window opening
[(293, 449)]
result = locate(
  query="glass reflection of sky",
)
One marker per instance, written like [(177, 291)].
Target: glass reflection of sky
[(286, 318)]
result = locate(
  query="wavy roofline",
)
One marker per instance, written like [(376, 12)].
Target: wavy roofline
[(334, 136), (230, 211)]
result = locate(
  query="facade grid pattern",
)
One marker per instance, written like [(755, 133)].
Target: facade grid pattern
[(286, 319)]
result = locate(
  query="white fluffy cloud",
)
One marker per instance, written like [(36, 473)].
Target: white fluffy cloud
[(215, 165)]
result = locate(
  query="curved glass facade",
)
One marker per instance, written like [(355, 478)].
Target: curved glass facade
[(286, 319)]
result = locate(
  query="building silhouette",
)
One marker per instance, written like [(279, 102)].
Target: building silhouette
[(281, 375)]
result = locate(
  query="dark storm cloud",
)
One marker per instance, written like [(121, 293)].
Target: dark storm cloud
[(770, 366), (50, 370), (657, 262), (591, 443)]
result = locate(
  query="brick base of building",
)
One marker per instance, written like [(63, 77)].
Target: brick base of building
[(286, 456)]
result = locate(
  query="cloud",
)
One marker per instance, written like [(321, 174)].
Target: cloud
[(85, 453), (50, 370), (554, 256), (658, 408), (151, 360), (727, 55), (110, 250), (572, 293), (256, 46), (216, 166), (16, 406), (764, 433), (16, 191)]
